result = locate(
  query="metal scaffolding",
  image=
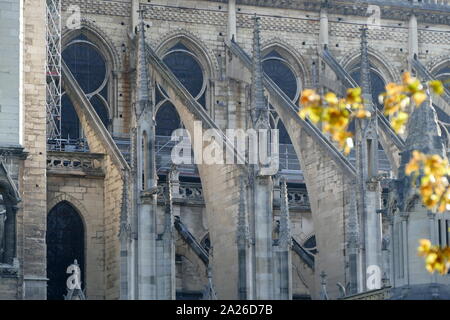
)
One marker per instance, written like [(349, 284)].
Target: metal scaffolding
[(53, 72)]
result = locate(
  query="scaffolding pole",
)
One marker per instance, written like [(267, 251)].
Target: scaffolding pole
[(53, 72)]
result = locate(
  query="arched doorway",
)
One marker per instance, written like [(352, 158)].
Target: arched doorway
[(65, 243)]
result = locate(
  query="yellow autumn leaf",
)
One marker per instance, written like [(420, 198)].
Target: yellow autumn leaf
[(419, 97), (437, 87), (331, 98)]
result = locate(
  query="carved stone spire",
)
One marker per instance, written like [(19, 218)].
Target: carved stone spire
[(285, 241), (424, 133), (142, 79), (168, 212), (124, 232), (365, 70), (242, 239), (242, 228), (260, 107)]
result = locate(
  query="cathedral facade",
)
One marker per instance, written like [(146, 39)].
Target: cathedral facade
[(96, 186)]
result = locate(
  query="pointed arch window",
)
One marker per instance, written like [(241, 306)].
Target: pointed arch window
[(65, 240), (92, 72), (167, 119), (280, 70), (188, 69), (377, 83)]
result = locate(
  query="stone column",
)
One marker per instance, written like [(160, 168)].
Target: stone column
[(413, 38), (369, 195), (404, 253), (33, 174), (243, 245), (262, 180), (263, 237), (146, 248), (391, 252), (284, 246), (145, 164), (134, 16), (353, 248), (232, 20), (168, 272), (433, 237), (125, 244), (372, 232), (323, 33)]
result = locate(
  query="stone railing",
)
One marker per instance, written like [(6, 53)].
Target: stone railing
[(74, 163), (190, 192), (298, 199), (380, 294)]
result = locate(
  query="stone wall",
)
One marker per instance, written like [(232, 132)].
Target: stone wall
[(33, 184), (86, 195), (204, 23), (114, 167), (8, 288)]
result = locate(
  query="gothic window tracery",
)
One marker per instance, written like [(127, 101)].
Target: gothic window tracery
[(189, 70), (282, 73), (92, 72)]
